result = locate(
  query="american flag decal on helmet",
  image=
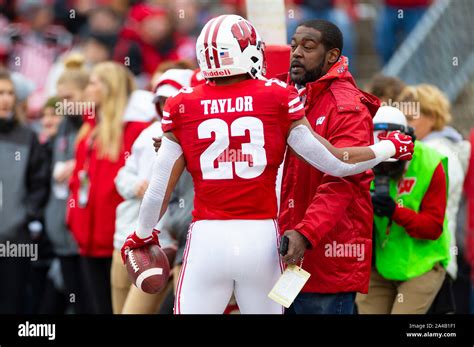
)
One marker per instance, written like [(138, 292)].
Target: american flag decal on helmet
[(226, 59)]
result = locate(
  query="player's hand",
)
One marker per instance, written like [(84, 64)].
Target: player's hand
[(297, 245), (157, 143), (403, 144), (133, 241)]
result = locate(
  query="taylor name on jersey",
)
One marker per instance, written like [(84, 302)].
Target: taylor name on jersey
[(239, 104)]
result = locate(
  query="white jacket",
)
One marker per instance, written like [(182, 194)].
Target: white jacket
[(451, 144), (139, 165), (137, 168)]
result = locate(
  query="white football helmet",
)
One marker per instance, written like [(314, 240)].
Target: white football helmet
[(229, 45)]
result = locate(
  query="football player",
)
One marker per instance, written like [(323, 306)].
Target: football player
[(231, 134)]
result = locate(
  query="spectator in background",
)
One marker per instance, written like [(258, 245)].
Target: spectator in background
[(45, 296), (72, 13), (167, 65), (431, 127), (98, 36), (102, 20), (228, 6), (149, 38), (83, 16), (7, 9), (35, 43), (188, 15), (98, 47), (176, 222), (178, 216), (94, 49), (396, 20), (411, 232), (339, 12), (103, 144), (24, 181), (24, 87), (131, 182), (49, 121), (386, 88), (70, 88)]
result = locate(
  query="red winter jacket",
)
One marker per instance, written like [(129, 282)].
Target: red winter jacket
[(331, 211), (469, 194), (93, 226)]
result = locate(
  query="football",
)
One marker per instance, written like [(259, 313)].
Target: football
[(148, 268)]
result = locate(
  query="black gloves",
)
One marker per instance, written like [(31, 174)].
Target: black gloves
[(383, 205)]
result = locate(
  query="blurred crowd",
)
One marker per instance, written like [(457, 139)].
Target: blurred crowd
[(36, 35), (82, 89)]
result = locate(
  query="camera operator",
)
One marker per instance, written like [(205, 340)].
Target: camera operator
[(411, 234)]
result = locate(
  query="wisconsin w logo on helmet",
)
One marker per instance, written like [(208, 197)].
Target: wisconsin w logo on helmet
[(229, 45), (245, 34)]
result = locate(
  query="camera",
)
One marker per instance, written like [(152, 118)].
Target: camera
[(381, 185)]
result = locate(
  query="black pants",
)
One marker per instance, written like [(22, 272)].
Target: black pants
[(14, 279), (53, 300), (38, 284), (168, 303), (444, 301), (74, 284), (462, 286), (97, 283)]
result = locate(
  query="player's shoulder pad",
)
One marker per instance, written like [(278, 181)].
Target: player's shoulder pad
[(279, 90), (173, 102), (275, 82)]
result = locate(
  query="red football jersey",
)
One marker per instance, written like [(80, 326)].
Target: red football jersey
[(233, 139)]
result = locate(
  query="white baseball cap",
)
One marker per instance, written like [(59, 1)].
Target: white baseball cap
[(171, 82), (389, 118), (390, 115)]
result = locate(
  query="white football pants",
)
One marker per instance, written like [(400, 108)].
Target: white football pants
[(229, 256)]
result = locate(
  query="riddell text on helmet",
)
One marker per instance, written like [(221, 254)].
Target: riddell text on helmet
[(215, 73)]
